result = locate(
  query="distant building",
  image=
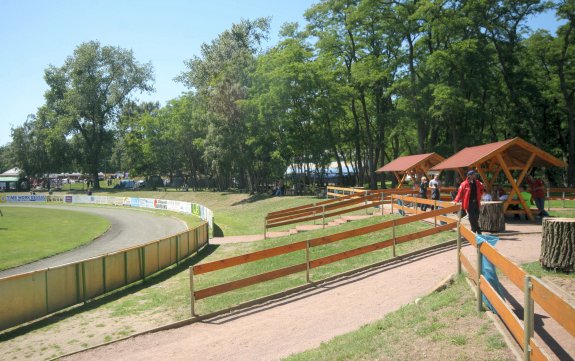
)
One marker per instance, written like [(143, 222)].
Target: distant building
[(13, 181)]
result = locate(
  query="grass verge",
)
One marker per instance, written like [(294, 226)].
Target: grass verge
[(442, 326)]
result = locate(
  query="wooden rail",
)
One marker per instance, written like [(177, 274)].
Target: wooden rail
[(330, 208), (315, 242), (535, 290)]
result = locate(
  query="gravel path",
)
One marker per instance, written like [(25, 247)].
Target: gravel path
[(129, 227)]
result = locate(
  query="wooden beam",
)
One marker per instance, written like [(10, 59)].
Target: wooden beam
[(483, 176), (514, 189), (400, 180), (526, 208)]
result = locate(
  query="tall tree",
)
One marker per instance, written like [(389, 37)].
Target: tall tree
[(566, 73), (222, 78), (87, 93)]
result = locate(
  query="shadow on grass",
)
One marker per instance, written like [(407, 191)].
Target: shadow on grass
[(113, 296), (218, 232), (253, 198)]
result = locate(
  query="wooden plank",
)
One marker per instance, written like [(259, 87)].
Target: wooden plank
[(380, 226), (472, 271), (292, 216), (247, 258), (510, 269), (513, 323), (468, 235), (424, 233), (350, 253), (560, 309), (349, 234), (376, 246), (234, 285), (537, 354)]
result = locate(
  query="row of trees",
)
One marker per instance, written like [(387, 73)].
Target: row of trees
[(365, 82)]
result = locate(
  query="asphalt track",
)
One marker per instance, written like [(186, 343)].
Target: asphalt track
[(129, 227)]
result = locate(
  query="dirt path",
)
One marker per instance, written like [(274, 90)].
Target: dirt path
[(304, 320)]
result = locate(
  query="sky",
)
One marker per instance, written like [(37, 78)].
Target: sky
[(38, 33)]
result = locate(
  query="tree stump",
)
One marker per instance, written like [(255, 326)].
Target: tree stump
[(491, 217), (558, 244)]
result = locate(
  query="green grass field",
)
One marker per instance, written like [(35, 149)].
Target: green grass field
[(29, 234)]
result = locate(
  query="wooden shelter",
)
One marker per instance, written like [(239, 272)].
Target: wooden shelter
[(507, 156), (411, 165)]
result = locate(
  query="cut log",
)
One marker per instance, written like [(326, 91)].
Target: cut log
[(491, 217), (558, 244)]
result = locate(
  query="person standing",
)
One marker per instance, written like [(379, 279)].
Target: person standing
[(435, 185), (469, 194), (537, 189), (423, 191)]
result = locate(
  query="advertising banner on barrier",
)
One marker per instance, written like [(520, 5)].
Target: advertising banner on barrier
[(196, 210), (24, 198), (175, 206), (160, 204)]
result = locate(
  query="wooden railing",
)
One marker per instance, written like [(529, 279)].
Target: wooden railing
[(560, 194), (314, 263), (330, 208), (534, 290)]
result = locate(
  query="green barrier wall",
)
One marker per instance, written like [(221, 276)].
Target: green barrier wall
[(29, 296)]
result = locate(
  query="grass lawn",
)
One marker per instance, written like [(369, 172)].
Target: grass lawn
[(29, 234)]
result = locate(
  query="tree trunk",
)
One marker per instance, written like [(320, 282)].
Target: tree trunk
[(558, 244), (491, 217)]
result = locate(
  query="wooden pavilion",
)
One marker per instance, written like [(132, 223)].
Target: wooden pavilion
[(508, 156), (411, 165)]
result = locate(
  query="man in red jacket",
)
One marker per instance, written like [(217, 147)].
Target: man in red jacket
[(469, 194)]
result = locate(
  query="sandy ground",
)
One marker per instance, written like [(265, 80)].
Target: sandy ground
[(304, 320)]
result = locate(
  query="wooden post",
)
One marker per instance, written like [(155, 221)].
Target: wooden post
[(435, 217), (394, 238), (192, 297), (392, 200), (528, 316), (265, 227), (323, 215), (458, 243), (382, 198), (479, 268), (307, 261)]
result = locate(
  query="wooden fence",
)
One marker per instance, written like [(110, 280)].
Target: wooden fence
[(534, 290), (330, 208), (316, 242), (560, 194)]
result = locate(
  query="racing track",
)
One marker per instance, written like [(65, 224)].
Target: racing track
[(129, 227)]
